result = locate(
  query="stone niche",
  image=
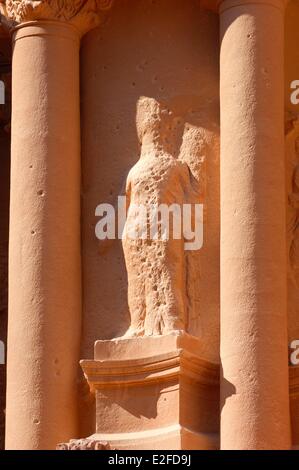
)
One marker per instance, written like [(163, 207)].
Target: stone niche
[(120, 64)]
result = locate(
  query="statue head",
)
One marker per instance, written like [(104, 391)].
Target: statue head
[(152, 119)]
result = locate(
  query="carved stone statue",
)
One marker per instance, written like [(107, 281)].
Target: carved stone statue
[(156, 265)]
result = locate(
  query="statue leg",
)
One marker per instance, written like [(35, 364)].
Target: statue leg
[(174, 313), (165, 305), (136, 290)]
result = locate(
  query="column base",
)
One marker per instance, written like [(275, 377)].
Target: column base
[(154, 393)]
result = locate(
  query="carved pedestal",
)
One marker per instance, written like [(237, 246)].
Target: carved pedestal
[(154, 393)]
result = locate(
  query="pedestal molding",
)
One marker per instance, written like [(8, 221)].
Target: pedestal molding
[(103, 374)]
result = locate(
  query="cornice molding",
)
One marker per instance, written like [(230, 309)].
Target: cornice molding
[(82, 14), (142, 371)]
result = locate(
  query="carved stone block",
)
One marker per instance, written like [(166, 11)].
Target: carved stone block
[(154, 393)]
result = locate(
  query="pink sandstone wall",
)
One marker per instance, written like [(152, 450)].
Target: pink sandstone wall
[(167, 50)]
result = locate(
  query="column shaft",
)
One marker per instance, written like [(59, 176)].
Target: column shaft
[(254, 389), (44, 262)]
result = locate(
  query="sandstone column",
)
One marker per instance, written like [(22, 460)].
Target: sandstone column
[(254, 389), (44, 264)]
